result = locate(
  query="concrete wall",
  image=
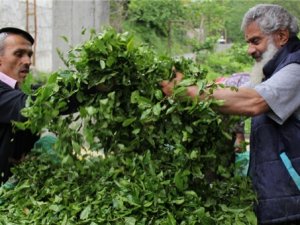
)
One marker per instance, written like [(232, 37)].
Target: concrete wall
[(55, 18), (43, 47), (71, 17), (11, 14)]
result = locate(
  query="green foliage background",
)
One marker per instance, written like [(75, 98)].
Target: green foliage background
[(149, 21)]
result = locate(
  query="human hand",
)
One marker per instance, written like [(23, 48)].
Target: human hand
[(239, 143), (168, 86), (192, 91)]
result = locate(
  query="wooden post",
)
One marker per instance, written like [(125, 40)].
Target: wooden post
[(31, 12)]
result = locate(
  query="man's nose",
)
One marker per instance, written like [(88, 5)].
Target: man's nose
[(27, 60), (251, 49)]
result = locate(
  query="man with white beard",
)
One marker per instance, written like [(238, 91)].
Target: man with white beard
[(272, 99), (257, 75)]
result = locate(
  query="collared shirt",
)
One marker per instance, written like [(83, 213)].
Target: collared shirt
[(281, 93), (8, 80)]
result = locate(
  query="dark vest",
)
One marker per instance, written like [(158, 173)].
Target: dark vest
[(278, 194)]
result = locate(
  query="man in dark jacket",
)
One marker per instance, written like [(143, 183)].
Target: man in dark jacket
[(15, 61), (272, 99)]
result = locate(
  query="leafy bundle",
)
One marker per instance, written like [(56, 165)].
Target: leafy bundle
[(167, 159)]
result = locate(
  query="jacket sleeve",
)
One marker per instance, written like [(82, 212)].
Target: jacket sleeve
[(12, 101)]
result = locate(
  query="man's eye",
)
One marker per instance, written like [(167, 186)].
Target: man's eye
[(21, 54), (18, 54), (255, 41)]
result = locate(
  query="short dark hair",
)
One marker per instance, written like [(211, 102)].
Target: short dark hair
[(14, 30)]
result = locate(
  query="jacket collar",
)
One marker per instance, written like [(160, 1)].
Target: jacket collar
[(291, 46)]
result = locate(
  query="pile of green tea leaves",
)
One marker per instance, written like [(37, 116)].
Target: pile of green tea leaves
[(165, 160)]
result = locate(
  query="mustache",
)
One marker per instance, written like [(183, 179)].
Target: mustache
[(25, 69), (257, 56)]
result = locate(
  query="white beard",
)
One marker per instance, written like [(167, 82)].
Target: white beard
[(257, 75)]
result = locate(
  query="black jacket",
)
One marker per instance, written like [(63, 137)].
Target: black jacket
[(13, 144)]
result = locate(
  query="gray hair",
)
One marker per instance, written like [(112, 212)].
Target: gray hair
[(271, 18), (3, 36)]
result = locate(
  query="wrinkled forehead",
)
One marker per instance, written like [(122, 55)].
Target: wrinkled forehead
[(14, 39), (9, 38), (253, 31), (14, 43)]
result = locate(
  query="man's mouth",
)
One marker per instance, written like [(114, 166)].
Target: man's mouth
[(257, 57), (24, 71), (23, 74)]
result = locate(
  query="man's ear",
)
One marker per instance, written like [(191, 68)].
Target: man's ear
[(282, 37)]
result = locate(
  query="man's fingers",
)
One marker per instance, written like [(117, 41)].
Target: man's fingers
[(164, 83), (178, 77), (168, 86), (192, 91)]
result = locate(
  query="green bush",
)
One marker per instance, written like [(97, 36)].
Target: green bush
[(166, 159)]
